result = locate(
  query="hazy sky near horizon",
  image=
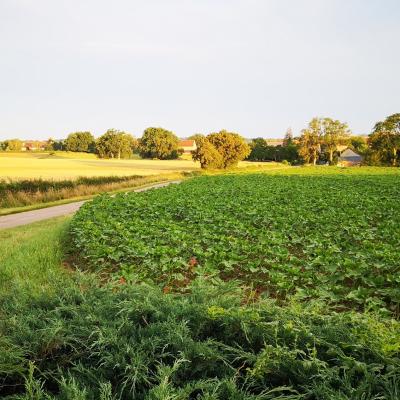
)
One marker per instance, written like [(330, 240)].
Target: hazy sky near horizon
[(255, 67)]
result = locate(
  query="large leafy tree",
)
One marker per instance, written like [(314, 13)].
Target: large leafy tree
[(220, 150), (207, 154), (333, 134), (80, 141), (385, 138), (231, 146), (310, 141), (12, 145), (159, 143), (259, 150), (116, 144), (358, 144)]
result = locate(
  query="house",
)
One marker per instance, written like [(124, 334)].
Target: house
[(274, 142), (187, 145), (33, 145), (349, 157)]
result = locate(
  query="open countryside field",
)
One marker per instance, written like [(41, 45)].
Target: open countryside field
[(250, 286), (32, 180), (63, 165)]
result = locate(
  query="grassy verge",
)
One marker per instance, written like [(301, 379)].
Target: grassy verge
[(51, 197), (31, 257)]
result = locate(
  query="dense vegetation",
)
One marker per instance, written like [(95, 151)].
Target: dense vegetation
[(116, 144), (220, 150), (119, 341), (332, 237), (261, 150), (159, 143)]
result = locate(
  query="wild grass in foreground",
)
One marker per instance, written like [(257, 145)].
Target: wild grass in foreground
[(120, 341)]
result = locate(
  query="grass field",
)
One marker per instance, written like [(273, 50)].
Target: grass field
[(192, 292)]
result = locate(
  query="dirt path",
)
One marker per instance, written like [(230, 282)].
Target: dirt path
[(27, 217)]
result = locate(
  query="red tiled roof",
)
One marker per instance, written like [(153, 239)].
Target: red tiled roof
[(186, 143)]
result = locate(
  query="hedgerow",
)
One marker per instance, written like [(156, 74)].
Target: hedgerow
[(120, 341), (333, 237)]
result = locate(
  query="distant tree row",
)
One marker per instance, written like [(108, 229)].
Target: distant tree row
[(262, 151), (319, 142)]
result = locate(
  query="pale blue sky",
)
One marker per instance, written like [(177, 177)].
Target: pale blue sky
[(255, 67)]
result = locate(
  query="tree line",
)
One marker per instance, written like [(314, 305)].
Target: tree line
[(319, 142), (155, 143)]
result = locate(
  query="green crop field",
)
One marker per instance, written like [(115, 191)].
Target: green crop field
[(246, 286), (332, 237)]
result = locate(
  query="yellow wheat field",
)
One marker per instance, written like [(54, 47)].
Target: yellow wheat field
[(64, 165), (72, 165)]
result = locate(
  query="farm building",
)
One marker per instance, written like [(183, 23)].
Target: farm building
[(274, 142), (33, 145), (349, 157), (187, 145)]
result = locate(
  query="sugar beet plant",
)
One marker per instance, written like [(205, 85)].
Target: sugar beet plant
[(328, 236)]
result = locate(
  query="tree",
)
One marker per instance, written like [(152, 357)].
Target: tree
[(259, 150), (12, 145), (49, 146), (385, 138), (358, 144), (59, 145), (333, 134), (207, 154), (80, 141), (231, 146), (159, 143), (115, 144), (310, 141), (288, 139)]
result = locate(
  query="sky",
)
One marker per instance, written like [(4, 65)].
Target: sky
[(256, 67)]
